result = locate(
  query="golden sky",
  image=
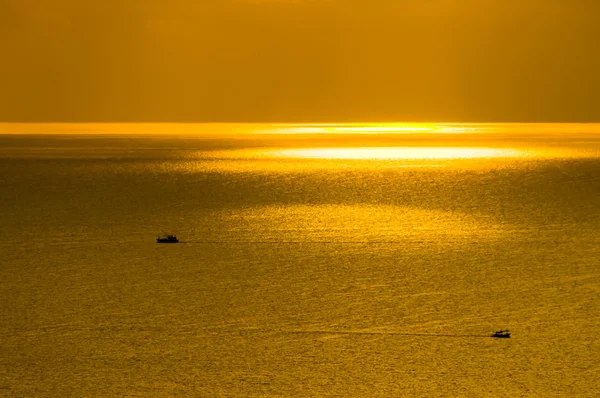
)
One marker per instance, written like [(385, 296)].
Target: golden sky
[(300, 60)]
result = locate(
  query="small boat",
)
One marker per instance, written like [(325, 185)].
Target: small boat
[(502, 334), (167, 238)]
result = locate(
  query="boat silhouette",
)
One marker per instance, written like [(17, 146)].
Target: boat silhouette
[(502, 334), (167, 238)]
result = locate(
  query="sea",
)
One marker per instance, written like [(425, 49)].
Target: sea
[(319, 260)]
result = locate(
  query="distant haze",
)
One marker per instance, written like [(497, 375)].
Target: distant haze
[(300, 60)]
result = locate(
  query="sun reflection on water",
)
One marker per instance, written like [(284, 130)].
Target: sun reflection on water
[(359, 158), (391, 153), (358, 223)]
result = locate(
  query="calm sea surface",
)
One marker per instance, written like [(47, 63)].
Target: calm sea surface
[(338, 261)]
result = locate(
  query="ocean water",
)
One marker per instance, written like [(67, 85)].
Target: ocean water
[(342, 261)]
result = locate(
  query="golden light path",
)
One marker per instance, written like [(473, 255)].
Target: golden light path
[(359, 223), (391, 153), (340, 158), (333, 159)]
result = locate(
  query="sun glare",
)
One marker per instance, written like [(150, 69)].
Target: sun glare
[(388, 128), (380, 129)]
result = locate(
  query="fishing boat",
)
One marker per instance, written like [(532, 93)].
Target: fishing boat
[(167, 238), (502, 334)]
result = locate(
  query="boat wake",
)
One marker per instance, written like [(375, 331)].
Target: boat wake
[(384, 333)]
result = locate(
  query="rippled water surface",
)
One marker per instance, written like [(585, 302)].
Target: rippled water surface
[(312, 262)]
